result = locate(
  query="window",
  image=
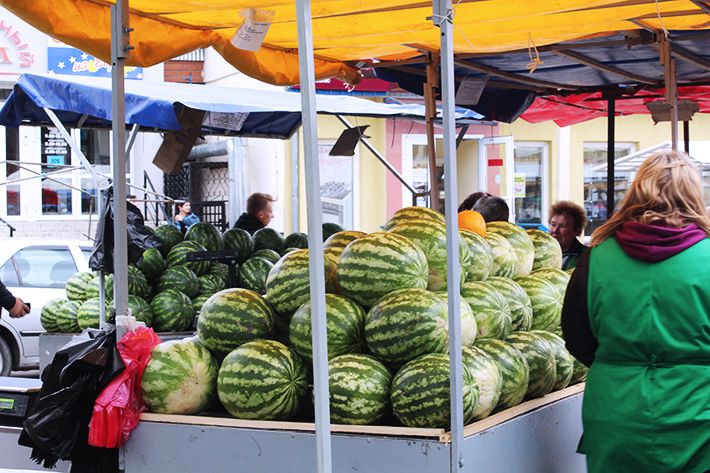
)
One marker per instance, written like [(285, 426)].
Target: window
[(96, 146), (530, 188), (44, 266), (56, 190), (12, 172), (8, 273), (338, 181)]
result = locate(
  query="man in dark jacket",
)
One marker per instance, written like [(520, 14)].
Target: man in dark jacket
[(14, 305), (258, 215)]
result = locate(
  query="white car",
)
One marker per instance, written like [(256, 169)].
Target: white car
[(35, 271)]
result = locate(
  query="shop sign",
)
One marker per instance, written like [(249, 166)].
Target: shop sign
[(493, 162), (65, 60), (16, 45), (55, 149)]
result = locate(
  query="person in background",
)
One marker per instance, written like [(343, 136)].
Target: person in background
[(13, 305), (185, 218), (567, 222), (493, 209), (636, 311), (259, 213), (471, 200)]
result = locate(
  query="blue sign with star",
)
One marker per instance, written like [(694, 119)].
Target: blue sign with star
[(74, 62)]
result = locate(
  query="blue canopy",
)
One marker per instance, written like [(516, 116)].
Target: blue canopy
[(86, 102)]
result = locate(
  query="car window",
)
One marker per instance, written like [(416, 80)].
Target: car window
[(8, 275), (44, 266), (86, 251)]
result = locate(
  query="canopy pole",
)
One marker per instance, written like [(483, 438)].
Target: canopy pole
[(102, 280), (669, 78), (132, 138), (610, 147), (686, 136), (315, 236), (443, 17), (430, 87), (295, 183)]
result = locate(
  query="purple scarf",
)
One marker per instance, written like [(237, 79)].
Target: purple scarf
[(653, 243)]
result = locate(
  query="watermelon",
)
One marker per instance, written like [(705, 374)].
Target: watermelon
[(199, 301), (178, 257), (289, 250), (407, 323), (563, 360), (330, 229), (240, 241), (505, 261), (262, 379), (268, 238), (89, 313), (66, 317), (345, 321), (481, 263), (220, 271), (180, 278), (378, 264), (137, 282), (518, 300), (253, 274), (546, 302), (269, 255), (50, 312), (513, 368), (296, 240), (430, 237), (180, 378), (233, 317), (92, 289), (172, 311), (490, 308), (210, 283), (485, 372), (421, 395), (541, 360), (152, 264), (556, 276), (413, 213), (288, 285), (359, 390), (519, 240), (140, 309), (333, 247), (169, 236), (579, 372), (77, 286), (469, 327), (206, 234), (548, 253)]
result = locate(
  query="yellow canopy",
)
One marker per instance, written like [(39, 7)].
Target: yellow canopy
[(345, 32)]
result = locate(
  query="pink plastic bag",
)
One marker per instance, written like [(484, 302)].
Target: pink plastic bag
[(118, 407)]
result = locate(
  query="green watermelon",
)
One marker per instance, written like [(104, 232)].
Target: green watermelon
[(481, 264), (513, 368), (519, 240), (178, 257), (140, 309), (199, 301), (333, 247), (546, 302), (518, 300), (345, 321), (172, 311), (505, 261), (220, 271), (253, 274), (66, 317), (541, 360), (289, 250), (563, 360), (548, 253), (378, 264), (92, 290), (210, 283), (559, 278), (206, 234), (413, 213), (240, 241), (152, 264), (180, 278), (77, 286), (579, 372), (233, 317), (180, 378), (89, 313), (137, 282), (359, 389), (407, 323), (421, 395), (484, 370), (50, 312), (262, 379), (269, 255), (330, 229), (490, 308), (296, 240), (469, 327), (169, 236), (268, 238)]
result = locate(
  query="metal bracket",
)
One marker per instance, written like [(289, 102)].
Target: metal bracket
[(121, 45)]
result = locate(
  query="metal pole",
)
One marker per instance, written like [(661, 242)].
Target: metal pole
[(443, 17), (132, 138), (295, 184), (686, 136), (430, 106), (610, 147), (315, 237), (669, 78), (102, 289)]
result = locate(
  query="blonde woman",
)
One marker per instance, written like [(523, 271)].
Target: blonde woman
[(637, 311)]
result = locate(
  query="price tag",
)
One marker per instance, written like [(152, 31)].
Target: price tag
[(251, 34), (7, 404)]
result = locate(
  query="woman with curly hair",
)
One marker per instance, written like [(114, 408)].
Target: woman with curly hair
[(567, 222)]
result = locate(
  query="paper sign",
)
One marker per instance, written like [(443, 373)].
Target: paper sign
[(495, 162), (225, 121), (519, 185), (470, 90), (251, 34)]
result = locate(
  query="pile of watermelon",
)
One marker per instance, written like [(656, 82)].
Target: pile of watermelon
[(388, 331)]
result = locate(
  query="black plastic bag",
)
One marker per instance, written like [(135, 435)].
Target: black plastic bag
[(140, 237)]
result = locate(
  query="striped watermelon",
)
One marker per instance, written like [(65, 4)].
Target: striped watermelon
[(172, 311), (518, 300), (50, 312), (288, 285), (233, 317), (89, 313), (564, 362), (330, 228), (579, 372), (505, 262), (92, 290), (137, 282), (180, 278), (334, 246), (519, 240), (513, 369), (180, 378), (268, 238), (541, 361), (359, 390), (548, 253), (66, 317), (253, 274), (430, 237), (559, 278), (199, 301), (413, 213), (220, 271), (240, 241), (178, 257), (152, 264), (289, 250), (296, 240), (77, 286), (421, 394), (140, 309), (546, 302), (262, 379), (378, 264), (481, 264), (407, 323), (206, 234), (169, 236), (345, 321), (269, 255), (485, 372), (469, 326), (490, 309), (210, 283)]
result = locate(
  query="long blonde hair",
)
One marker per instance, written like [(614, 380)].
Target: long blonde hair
[(667, 190)]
